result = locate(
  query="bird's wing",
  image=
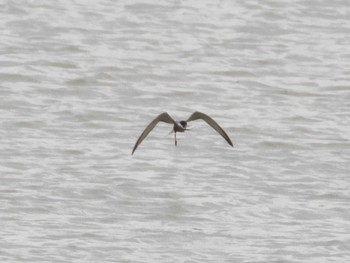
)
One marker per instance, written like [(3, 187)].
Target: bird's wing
[(165, 117), (199, 115)]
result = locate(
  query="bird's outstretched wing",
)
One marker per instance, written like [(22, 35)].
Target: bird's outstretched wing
[(199, 115), (165, 117)]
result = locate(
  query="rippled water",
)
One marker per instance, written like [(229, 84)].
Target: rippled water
[(80, 80)]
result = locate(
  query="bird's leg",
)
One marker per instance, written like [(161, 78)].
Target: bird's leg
[(175, 139)]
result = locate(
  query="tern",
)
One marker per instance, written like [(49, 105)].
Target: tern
[(181, 126)]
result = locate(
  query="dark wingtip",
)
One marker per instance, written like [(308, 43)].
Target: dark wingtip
[(133, 150), (230, 142)]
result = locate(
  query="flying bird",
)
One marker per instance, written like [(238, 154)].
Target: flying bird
[(181, 126)]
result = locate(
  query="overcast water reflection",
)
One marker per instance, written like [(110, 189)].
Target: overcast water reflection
[(79, 82)]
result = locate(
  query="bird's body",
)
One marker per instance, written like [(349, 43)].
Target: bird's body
[(181, 126)]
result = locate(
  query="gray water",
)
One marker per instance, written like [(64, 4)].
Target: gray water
[(80, 80)]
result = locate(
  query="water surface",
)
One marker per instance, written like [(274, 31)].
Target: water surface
[(79, 82)]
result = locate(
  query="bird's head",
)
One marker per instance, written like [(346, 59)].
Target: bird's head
[(183, 124)]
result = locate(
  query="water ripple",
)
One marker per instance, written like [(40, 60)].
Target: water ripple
[(79, 83)]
